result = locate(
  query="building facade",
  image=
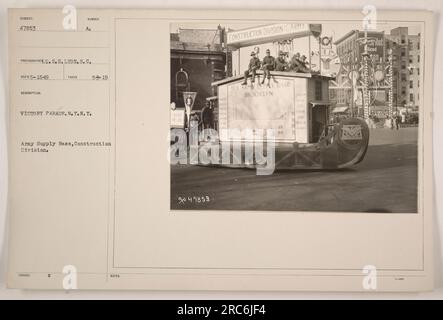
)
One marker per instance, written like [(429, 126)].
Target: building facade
[(198, 58), (406, 60), (344, 90), (406, 70)]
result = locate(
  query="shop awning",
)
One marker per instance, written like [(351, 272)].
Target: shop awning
[(320, 103), (340, 109)]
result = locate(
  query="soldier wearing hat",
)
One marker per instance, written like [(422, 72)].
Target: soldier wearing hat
[(299, 64), (254, 64), (280, 63), (304, 64), (295, 63), (268, 65)]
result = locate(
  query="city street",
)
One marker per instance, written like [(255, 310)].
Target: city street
[(385, 181)]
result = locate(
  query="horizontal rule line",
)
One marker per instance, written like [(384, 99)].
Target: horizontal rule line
[(62, 80), (66, 64), (71, 47), (66, 31)]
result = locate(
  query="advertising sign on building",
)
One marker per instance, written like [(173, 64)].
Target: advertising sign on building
[(376, 47)]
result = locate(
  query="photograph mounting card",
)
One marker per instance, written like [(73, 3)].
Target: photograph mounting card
[(220, 150)]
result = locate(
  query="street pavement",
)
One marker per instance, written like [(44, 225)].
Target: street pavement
[(385, 181)]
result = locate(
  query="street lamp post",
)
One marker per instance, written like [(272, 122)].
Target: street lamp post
[(189, 99)]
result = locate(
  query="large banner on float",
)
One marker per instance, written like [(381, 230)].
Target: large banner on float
[(282, 107)]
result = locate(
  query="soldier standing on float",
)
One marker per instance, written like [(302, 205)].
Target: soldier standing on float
[(268, 65), (280, 62), (254, 65)]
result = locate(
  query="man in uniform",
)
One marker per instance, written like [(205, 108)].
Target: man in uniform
[(304, 64), (295, 63), (268, 65), (208, 116), (398, 122), (280, 63), (254, 65)]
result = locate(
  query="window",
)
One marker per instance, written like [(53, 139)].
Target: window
[(411, 84), (411, 97), (418, 58), (318, 90), (418, 71)]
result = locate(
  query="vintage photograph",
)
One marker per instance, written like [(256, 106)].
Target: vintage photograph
[(243, 151), (295, 116)]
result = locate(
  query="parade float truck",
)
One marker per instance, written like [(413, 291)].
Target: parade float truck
[(296, 107)]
